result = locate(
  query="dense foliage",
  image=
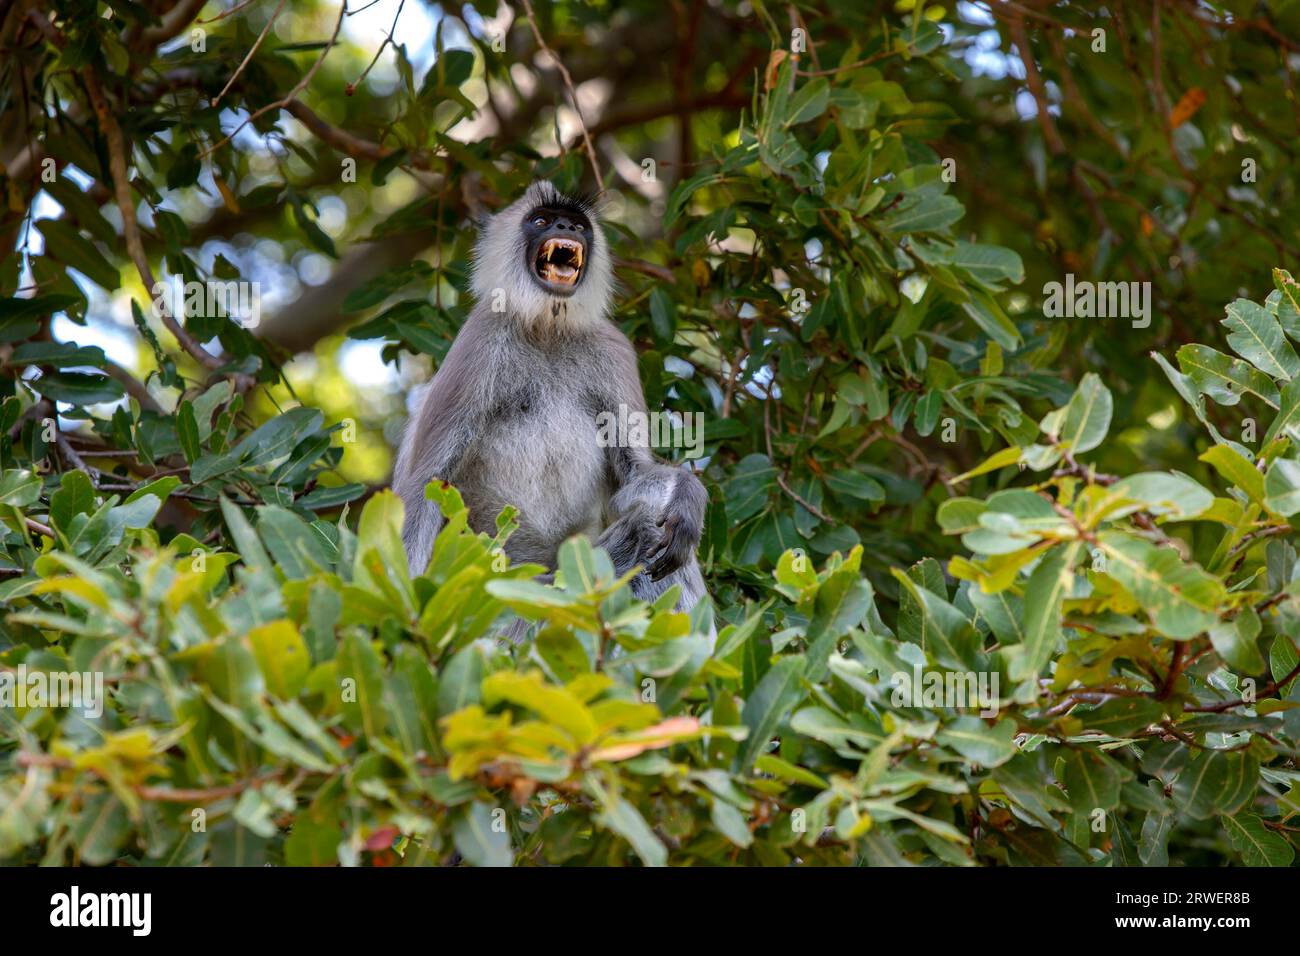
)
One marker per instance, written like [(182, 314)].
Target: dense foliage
[(945, 633)]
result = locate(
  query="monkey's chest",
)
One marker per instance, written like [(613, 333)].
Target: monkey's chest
[(542, 456)]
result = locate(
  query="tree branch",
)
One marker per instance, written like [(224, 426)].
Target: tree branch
[(130, 227)]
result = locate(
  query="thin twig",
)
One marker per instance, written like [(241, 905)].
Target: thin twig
[(645, 268), (1229, 704), (573, 93), (284, 101), (351, 87), (225, 13), (39, 528), (275, 14), (70, 454)]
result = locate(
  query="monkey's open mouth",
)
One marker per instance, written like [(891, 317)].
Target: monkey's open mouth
[(559, 261)]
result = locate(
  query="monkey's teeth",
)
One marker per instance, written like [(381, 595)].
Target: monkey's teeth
[(564, 271)]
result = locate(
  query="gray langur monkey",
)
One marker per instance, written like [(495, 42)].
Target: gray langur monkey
[(510, 417)]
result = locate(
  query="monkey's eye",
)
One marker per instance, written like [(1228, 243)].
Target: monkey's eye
[(578, 226), (539, 221)]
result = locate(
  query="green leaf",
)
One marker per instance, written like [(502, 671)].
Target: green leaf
[(460, 683), (298, 549), (1086, 418), (1092, 781), (1282, 487), (1282, 659), (78, 388), (19, 488), (926, 213), (981, 743), (1288, 416), (731, 823), (1164, 495), (1257, 337), (769, 702), (1048, 586), (841, 602), (991, 265), (1257, 844), (187, 431), (1121, 716), (76, 495), (58, 354), (1181, 599), (992, 321), (1224, 378), (100, 830), (809, 102), (65, 243), (1216, 782), (282, 657), (938, 627), (480, 839), (1235, 642), (663, 317), (380, 530), (1236, 469), (622, 818), (250, 548), (361, 686)]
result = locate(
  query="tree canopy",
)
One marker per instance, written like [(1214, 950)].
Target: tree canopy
[(986, 312)]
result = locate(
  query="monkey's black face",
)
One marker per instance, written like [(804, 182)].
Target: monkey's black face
[(557, 248)]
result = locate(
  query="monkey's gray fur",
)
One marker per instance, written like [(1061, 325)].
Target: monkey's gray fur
[(510, 416)]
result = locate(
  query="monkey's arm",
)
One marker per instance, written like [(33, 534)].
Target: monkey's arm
[(437, 437), (669, 502), (671, 499)]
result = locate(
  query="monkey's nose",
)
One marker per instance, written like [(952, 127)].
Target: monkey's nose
[(564, 223)]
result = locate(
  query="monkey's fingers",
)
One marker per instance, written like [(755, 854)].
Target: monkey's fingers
[(666, 557)]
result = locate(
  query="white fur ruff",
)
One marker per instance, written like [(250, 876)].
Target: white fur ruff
[(501, 275)]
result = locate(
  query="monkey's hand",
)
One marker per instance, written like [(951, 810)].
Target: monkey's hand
[(628, 538), (682, 524)]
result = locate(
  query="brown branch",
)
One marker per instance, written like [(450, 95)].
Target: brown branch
[(662, 273), (70, 455), (131, 228), (1016, 26), (874, 58), (346, 142), (1175, 668), (147, 792), (173, 22), (1229, 704), (48, 29), (39, 528)]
